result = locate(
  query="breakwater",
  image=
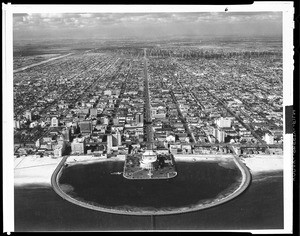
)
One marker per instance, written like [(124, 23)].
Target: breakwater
[(220, 199)]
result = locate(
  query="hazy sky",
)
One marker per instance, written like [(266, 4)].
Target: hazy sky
[(115, 25)]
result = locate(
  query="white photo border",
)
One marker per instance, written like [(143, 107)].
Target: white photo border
[(7, 86)]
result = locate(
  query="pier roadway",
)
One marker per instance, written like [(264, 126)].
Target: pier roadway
[(246, 179)]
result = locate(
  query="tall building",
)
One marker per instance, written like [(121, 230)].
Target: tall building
[(16, 124), (116, 139), (109, 143), (28, 115), (269, 138), (54, 121), (85, 127), (60, 148), (66, 134), (214, 131), (74, 128), (223, 122), (78, 146), (221, 135), (139, 118), (104, 120), (93, 112), (107, 92)]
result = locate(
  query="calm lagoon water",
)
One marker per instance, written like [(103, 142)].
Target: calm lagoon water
[(95, 184), (39, 208)]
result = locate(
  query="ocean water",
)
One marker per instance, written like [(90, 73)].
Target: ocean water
[(39, 208)]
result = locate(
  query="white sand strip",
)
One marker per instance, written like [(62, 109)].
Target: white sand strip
[(89, 159), (34, 170), (195, 158), (264, 163)]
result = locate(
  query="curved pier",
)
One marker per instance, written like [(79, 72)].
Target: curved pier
[(246, 179)]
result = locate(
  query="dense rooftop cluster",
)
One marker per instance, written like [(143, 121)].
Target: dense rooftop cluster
[(202, 100)]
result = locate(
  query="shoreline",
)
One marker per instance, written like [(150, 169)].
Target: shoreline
[(32, 170), (255, 163), (246, 179), (263, 164), (197, 158)]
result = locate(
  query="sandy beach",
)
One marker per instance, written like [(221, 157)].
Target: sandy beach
[(264, 163), (30, 170), (34, 170), (89, 159), (256, 163), (192, 157)]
